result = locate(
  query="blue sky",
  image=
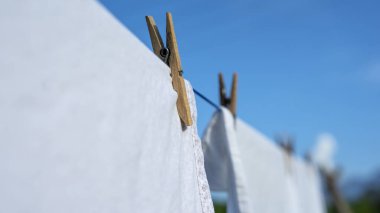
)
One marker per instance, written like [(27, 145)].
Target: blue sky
[(305, 66)]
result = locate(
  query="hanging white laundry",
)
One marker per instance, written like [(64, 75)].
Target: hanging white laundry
[(265, 168), (255, 172), (88, 117), (309, 187), (223, 164), (292, 199)]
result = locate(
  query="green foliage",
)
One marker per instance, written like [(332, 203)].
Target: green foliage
[(220, 208), (364, 204)]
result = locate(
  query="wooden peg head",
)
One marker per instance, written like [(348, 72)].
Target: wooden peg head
[(222, 91)]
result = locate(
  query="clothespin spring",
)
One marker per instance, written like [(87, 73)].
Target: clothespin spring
[(165, 53)]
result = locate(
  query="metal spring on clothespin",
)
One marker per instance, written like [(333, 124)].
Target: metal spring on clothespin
[(164, 53)]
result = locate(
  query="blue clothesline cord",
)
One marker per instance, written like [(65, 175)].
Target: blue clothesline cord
[(206, 99)]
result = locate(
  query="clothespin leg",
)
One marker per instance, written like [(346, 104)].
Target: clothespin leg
[(155, 36), (222, 90), (183, 106), (233, 97)]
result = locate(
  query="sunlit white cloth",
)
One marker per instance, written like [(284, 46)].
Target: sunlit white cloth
[(88, 117), (309, 187), (256, 173), (223, 163)]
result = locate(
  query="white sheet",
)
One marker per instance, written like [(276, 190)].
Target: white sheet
[(256, 173), (309, 187), (223, 163), (266, 167), (88, 117)]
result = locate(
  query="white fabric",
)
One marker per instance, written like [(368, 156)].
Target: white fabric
[(309, 188), (203, 186), (256, 173), (88, 117), (223, 163)]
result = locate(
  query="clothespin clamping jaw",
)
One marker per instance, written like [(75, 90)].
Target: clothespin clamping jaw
[(170, 56), (230, 102)]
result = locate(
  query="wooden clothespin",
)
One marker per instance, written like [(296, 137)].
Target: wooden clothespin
[(287, 144), (170, 56), (230, 103), (288, 147)]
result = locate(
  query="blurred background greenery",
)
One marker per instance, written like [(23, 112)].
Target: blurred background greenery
[(220, 208)]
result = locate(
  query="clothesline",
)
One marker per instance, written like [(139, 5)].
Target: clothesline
[(206, 99)]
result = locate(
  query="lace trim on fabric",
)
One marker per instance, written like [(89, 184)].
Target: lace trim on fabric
[(204, 189)]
